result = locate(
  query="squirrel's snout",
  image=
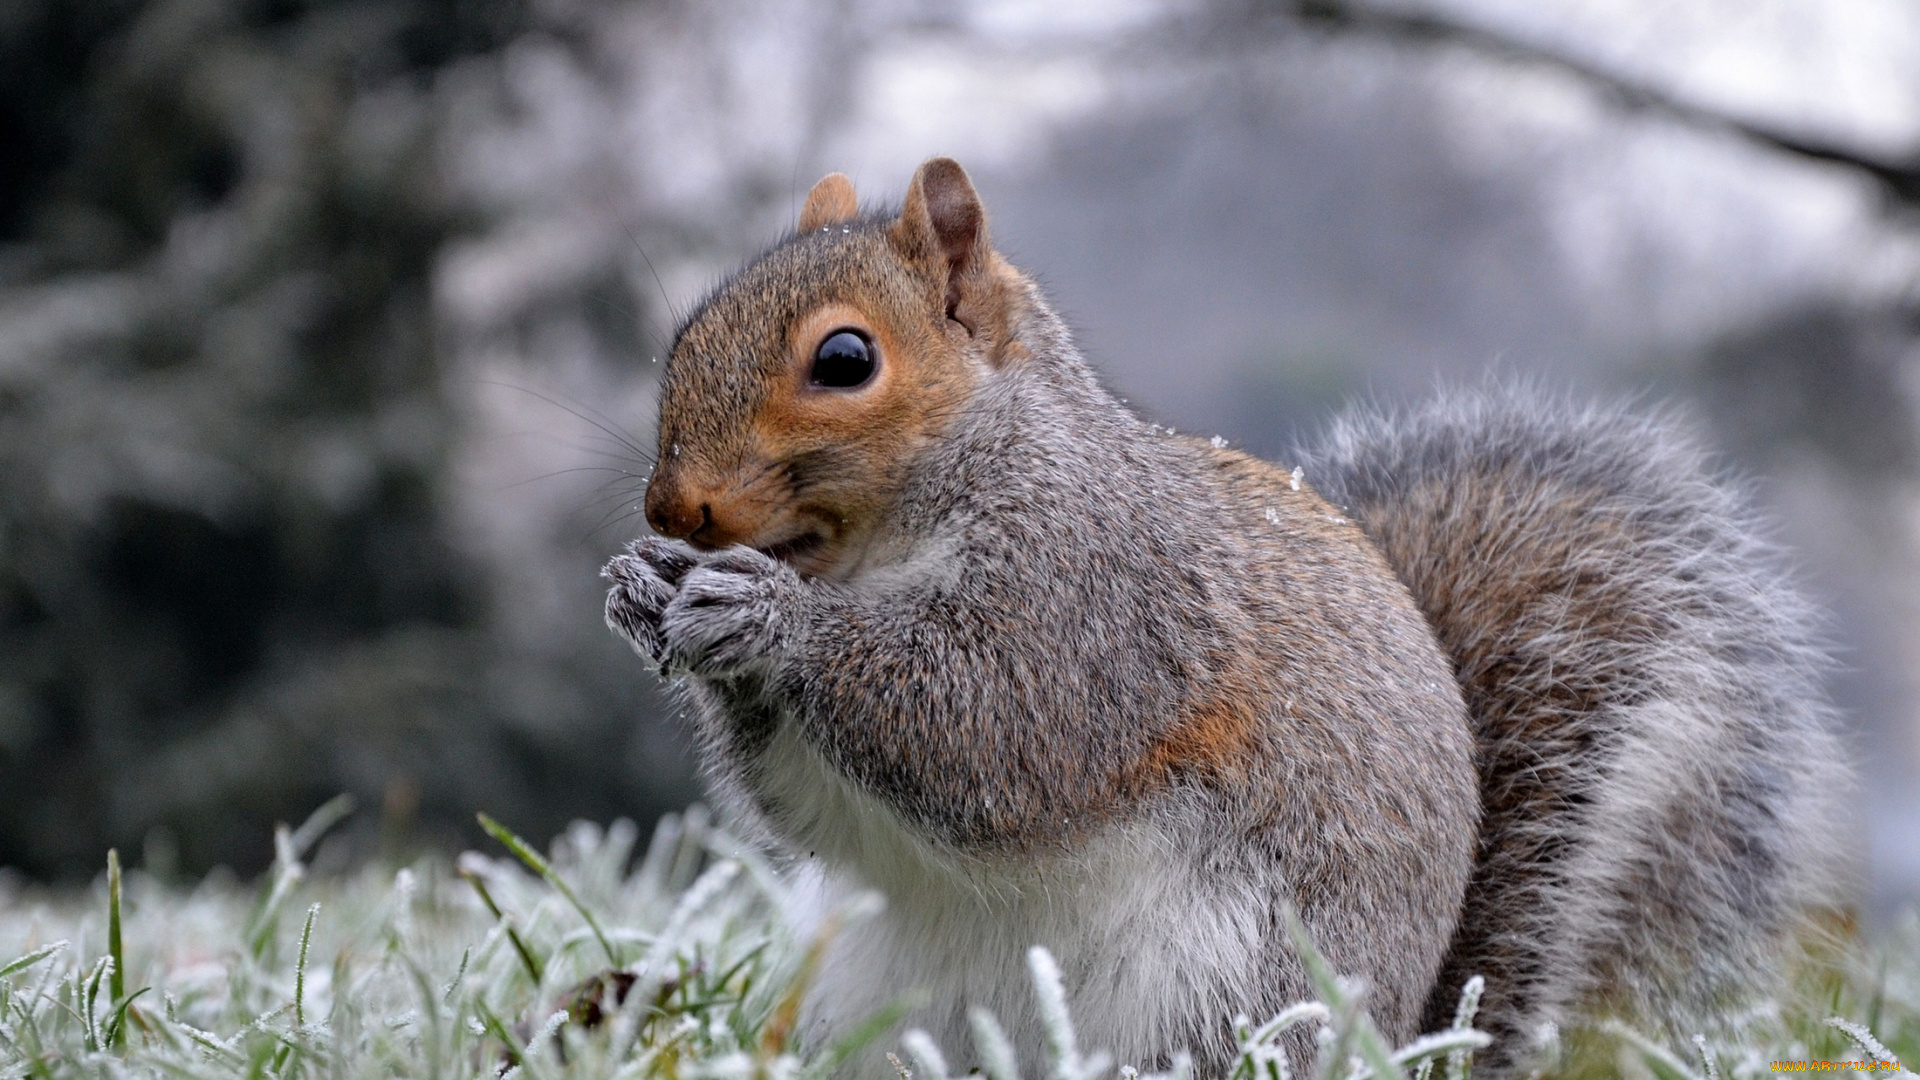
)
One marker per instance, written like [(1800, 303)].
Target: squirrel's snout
[(674, 512), (699, 516)]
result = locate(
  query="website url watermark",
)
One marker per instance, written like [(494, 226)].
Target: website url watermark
[(1834, 1066)]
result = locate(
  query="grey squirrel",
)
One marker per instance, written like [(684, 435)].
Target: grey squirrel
[(1499, 686)]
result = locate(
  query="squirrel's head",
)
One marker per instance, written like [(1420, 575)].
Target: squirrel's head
[(797, 397)]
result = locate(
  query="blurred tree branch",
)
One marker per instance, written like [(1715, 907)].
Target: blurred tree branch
[(1898, 177)]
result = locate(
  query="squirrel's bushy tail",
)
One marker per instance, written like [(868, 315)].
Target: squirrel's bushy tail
[(1659, 773)]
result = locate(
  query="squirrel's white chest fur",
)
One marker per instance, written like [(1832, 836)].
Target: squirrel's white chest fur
[(1144, 936)]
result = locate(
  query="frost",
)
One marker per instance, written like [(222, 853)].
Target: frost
[(711, 930), (1864, 1039), (1273, 516), (1293, 479), (1219, 443)]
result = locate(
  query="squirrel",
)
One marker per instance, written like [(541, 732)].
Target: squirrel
[(1500, 686)]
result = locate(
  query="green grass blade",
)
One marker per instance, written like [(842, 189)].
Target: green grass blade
[(329, 814), (117, 984), (516, 1053), (883, 1020), (300, 970), (1460, 1062), (15, 967), (1367, 1039), (116, 1036), (524, 851), (527, 960)]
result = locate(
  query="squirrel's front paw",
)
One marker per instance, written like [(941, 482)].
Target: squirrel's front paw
[(643, 581), (731, 611)]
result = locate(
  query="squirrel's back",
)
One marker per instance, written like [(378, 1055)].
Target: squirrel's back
[(1658, 771)]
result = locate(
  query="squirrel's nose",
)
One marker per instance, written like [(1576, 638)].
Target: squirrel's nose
[(675, 514)]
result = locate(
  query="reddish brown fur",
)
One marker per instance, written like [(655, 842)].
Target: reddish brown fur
[(1213, 743), (741, 496), (831, 202)]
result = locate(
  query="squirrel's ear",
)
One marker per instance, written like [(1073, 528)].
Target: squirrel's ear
[(831, 202), (943, 224)]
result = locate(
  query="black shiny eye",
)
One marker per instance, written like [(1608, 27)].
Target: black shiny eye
[(843, 361)]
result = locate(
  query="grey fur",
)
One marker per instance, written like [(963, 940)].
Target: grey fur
[(1087, 645), (1630, 643)]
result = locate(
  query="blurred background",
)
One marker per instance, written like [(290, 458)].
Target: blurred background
[(327, 331)]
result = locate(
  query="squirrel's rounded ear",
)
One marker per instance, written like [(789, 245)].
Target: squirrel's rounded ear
[(944, 224), (831, 202)]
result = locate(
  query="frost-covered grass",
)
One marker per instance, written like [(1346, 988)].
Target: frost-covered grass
[(499, 966)]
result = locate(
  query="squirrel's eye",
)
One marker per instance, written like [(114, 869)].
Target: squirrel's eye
[(843, 361)]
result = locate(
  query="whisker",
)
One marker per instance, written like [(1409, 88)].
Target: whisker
[(624, 451), (642, 480), (614, 431), (644, 257), (632, 312), (635, 494), (567, 472), (610, 519)]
